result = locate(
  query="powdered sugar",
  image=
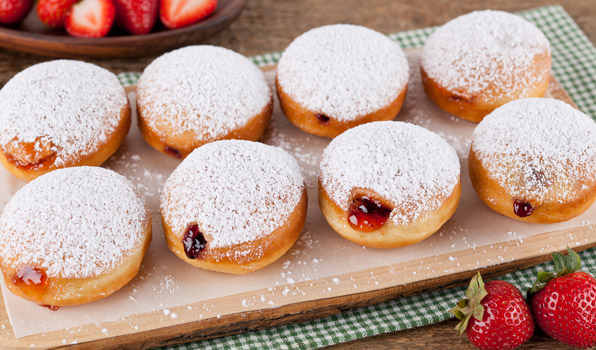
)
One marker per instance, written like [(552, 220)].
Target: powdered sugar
[(207, 90), (538, 148), (236, 191), (71, 106), (411, 167), (485, 51), (343, 71), (75, 222)]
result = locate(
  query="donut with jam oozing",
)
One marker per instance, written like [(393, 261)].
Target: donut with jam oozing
[(104, 232), (41, 125), (234, 206), (388, 184), (531, 170)]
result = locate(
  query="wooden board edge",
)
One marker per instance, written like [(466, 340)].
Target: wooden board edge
[(397, 280)]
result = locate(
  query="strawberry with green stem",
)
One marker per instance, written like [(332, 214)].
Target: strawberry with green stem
[(494, 315), (564, 302)]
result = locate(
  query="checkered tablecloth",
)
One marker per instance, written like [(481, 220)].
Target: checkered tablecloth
[(574, 65)]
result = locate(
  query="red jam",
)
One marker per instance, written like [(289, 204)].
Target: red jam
[(173, 152), (28, 166), (522, 209), (323, 119), (52, 307), (31, 280), (194, 241), (367, 214)]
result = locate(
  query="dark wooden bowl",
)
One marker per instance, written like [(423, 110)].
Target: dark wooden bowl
[(35, 37)]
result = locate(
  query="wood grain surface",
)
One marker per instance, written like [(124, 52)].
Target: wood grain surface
[(270, 25)]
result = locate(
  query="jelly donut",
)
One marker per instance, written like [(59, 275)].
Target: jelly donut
[(61, 114), (73, 236), (335, 77), (234, 206), (534, 160), (388, 184), (482, 60), (199, 94)]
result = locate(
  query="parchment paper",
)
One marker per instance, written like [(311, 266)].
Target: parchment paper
[(165, 281)]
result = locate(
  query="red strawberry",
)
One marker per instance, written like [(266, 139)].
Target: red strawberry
[(53, 12), (90, 18), (13, 11), (180, 13), (564, 304), (136, 16), (494, 315)]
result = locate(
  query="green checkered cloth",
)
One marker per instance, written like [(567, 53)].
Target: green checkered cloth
[(574, 65)]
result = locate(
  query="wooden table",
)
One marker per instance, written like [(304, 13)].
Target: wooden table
[(270, 25)]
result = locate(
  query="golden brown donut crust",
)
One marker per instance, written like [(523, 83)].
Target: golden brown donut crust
[(61, 291), (306, 120), (262, 251), (186, 142), (496, 197), (474, 107), (104, 151), (390, 235)]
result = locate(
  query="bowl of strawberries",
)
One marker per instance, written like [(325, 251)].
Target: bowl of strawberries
[(111, 28)]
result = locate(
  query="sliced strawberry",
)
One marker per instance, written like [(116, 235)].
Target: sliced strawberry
[(53, 12), (136, 16), (90, 18), (13, 11), (180, 13)]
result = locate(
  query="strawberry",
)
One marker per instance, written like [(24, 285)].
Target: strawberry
[(494, 315), (180, 13), (14, 11), (564, 303), (90, 18), (136, 16), (53, 12)]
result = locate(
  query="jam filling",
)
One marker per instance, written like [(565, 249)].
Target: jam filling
[(173, 152), (31, 280), (323, 119), (194, 241), (367, 214), (522, 209), (28, 166), (51, 307)]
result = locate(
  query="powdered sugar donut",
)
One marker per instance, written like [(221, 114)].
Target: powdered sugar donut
[(234, 206), (73, 236), (199, 94), (534, 160), (335, 77), (388, 184), (482, 60), (61, 114)]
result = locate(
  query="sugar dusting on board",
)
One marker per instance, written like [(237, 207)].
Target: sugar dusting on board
[(485, 51), (70, 107), (237, 191), (205, 90), (538, 149), (75, 222), (343, 71), (412, 168)]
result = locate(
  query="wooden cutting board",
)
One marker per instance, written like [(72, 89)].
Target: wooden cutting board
[(309, 299)]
